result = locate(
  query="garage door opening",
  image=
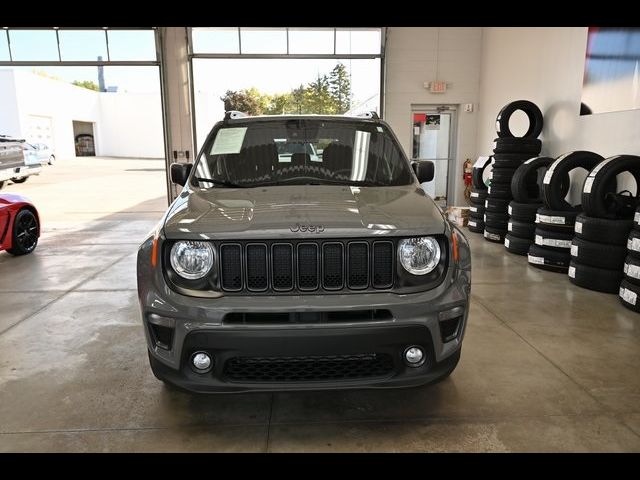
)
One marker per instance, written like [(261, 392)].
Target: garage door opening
[(93, 97), (84, 139), (275, 71)]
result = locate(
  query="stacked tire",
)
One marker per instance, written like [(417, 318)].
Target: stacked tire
[(510, 152), (556, 218), (630, 286), (602, 236), (478, 197), (526, 188)]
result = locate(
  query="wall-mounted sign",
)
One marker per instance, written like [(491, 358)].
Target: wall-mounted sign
[(437, 87)]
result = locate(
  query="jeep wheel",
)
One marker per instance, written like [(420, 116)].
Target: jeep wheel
[(19, 180)]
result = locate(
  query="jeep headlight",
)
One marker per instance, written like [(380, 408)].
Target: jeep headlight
[(191, 259), (420, 255)]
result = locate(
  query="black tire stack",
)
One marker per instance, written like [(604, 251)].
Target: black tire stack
[(556, 218), (526, 188), (599, 248), (509, 153), (630, 286), (477, 197)]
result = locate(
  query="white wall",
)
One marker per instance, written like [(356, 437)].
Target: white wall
[(130, 125), (546, 65), (412, 56), (63, 102), (9, 115), (126, 125)]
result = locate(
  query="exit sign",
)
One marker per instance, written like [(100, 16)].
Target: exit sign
[(437, 87)]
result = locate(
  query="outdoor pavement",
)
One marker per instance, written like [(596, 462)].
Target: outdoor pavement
[(546, 366)]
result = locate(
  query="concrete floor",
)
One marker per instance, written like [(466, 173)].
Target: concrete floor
[(546, 366)]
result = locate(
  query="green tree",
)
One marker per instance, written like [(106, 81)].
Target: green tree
[(90, 84), (318, 97), (281, 103), (340, 87), (249, 101), (298, 99), (328, 94)]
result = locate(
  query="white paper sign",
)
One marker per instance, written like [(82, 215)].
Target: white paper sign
[(574, 250), (572, 272), (506, 242), (228, 141), (536, 260), (509, 226), (578, 228), (628, 296), (632, 271), (550, 219)]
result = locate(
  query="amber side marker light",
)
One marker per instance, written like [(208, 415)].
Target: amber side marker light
[(154, 252), (454, 241)]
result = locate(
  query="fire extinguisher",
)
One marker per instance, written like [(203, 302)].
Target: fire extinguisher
[(467, 172)]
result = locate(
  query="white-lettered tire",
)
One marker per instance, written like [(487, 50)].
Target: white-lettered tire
[(553, 183), (602, 230), (592, 278), (517, 245), (599, 255), (548, 259), (629, 294)]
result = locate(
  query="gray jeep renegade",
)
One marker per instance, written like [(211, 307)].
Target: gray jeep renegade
[(303, 254)]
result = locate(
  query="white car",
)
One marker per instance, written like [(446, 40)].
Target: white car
[(38, 153)]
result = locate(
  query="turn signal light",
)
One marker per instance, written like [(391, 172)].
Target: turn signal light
[(454, 243), (154, 252)]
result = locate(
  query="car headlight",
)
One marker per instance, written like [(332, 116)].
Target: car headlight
[(420, 255), (191, 259)]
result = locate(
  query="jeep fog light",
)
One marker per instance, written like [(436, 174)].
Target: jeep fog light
[(420, 255), (414, 356), (191, 259), (201, 362)]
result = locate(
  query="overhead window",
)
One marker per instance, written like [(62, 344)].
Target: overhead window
[(358, 42), (304, 41), (29, 45), (216, 40), (263, 40), (132, 45), (4, 46), (82, 44)]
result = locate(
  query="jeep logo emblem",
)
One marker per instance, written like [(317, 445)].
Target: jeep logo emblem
[(307, 228)]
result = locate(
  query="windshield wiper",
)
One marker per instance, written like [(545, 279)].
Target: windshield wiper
[(223, 183), (322, 181)]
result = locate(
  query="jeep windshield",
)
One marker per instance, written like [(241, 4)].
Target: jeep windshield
[(301, 152)]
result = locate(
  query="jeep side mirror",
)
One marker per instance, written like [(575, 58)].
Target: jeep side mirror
[(180, 172), (424, 170)]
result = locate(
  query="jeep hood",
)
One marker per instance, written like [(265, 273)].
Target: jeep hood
[(272, 212)]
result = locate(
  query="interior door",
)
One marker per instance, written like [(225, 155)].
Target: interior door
[(432, 139)]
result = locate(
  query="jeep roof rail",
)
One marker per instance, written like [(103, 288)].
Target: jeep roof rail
[(233, 114), (372, 114)]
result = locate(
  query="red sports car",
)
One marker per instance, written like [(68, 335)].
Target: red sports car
[(19, 224)]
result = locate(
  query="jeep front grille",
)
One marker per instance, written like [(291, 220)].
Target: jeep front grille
[(306, 266)]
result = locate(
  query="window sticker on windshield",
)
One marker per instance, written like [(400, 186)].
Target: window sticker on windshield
[(228, 140), (379, 129)]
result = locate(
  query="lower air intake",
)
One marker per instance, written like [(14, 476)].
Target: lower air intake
[(307, 369)]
